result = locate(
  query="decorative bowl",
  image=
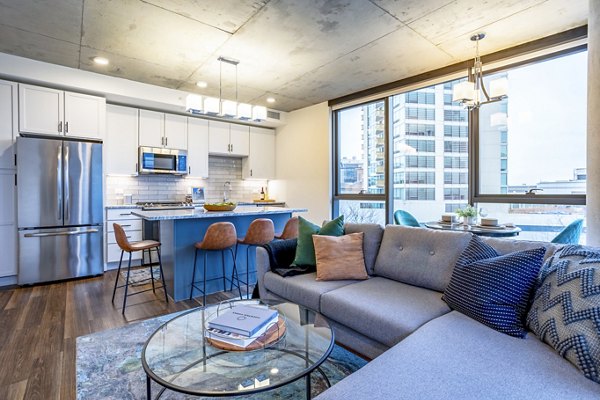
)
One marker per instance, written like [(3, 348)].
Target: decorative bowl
[(220, 206)]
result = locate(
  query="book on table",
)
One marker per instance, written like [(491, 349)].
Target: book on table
[(244, 320), (236, 339)]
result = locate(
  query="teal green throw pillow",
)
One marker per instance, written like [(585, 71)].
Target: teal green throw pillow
[(305, 250)]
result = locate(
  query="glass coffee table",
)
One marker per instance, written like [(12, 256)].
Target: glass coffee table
[(178, 356)]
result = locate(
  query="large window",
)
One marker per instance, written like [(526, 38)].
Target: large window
[(536, 137), (361, 149), (361, 159), (532, 147), (521, 159)]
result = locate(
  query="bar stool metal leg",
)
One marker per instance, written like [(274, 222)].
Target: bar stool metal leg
[(223, 269), (126, 284), (194, 274), (235, 272), (151, 268), (162, 274), (117, 278), (204, 280), (247, 271)]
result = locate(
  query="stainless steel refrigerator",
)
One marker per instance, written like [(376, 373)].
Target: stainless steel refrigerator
[(59, 192)]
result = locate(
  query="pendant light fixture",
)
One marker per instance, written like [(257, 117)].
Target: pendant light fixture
[(472, 92), (197, 104)]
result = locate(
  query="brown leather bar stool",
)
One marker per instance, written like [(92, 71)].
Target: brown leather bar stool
[(260, 232), (290, 230), (219, 236), (143, 246)]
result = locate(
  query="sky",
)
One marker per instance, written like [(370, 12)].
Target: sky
[(546, 121)]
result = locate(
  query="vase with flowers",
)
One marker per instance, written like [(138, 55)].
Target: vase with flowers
[(468, 214)]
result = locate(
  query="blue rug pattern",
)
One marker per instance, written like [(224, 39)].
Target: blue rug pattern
[(108, 366)]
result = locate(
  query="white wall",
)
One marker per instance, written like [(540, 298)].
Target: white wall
[(303, 152)]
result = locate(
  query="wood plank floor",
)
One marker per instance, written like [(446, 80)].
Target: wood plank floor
[(39, 325)]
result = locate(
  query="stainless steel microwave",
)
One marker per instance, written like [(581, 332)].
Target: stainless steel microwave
[(156, 160)]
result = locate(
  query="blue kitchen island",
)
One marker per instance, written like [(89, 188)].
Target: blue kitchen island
[(181, 229)]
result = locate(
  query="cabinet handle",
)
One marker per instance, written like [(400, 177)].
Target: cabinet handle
[(60, 126), (250, 172), (166, 141), (66, 127), (125, 225), (189, 170), (232, 147), (125, 214)]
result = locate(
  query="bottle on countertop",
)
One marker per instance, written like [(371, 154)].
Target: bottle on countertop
[(262, 193)]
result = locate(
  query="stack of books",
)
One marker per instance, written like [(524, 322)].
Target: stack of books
[(241, 325)]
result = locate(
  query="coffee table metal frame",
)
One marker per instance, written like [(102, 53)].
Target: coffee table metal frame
[(306, 373)]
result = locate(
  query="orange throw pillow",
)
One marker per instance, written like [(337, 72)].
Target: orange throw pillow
[(340, 257)]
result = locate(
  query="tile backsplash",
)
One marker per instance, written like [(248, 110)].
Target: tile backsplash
[(174, 188)]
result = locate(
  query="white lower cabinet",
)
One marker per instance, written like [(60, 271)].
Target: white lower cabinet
[(132, 226)]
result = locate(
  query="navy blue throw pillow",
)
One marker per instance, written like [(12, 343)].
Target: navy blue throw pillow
[(494, 289)]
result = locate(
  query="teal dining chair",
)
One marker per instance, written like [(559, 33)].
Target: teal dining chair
[(405, 218), (571, 233)]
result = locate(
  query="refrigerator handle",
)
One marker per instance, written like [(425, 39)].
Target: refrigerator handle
[(59, 179), (66, 183), (70, 233)]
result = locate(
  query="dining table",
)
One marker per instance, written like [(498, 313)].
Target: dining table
[(476, 229)]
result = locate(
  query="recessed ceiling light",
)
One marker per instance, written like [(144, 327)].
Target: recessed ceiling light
[(270, 100), (201, 84), (100, 60)]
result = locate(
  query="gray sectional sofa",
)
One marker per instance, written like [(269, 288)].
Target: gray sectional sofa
[(421, 349)]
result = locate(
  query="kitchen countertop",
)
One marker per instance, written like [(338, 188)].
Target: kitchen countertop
[(201, 213), (118, 206)]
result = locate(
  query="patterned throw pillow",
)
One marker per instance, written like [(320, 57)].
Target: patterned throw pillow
[(494, 289), (566, 307)]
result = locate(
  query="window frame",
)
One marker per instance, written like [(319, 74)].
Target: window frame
[(536, 198)]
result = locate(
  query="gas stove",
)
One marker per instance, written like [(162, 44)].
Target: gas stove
[(165, 205)]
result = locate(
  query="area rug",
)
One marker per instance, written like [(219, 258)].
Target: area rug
[(108, 367), (140, 275)]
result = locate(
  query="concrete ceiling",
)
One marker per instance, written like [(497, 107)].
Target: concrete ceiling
[(300, 52)]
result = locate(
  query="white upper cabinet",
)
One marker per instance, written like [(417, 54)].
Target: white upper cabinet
[(85, 115), (163, 130), (55, 112), (152, 128), (121, 144), (239, 137), (260, 163), (218, 142), (8, 123), (41, 110), (176, 131), (197, 147), (228, 139)]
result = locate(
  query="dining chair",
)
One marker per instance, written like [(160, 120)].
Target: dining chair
[(405, 218), (571, 233)]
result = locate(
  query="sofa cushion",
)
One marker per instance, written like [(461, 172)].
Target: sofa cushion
[(383, 309), (340, 257), (566, 308), (456, 357), (420, 256), (301, 289), (371, 241), (493, 289), (305, 249)]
